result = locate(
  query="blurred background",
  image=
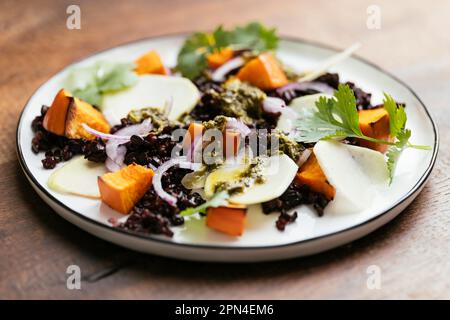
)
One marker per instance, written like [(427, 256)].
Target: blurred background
[(411, 35), (409, 38)]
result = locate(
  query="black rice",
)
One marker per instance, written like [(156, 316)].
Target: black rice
[(154, 149), (294, 196), (363, 99), (58, 148), (153, 215)]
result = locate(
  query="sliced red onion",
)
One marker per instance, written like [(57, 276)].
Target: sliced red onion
[(238, 125), (114, 148), (125, 133), (111, 165), (105, 136), (274, 105), (140, 129), (307, 85), (303, 157), (219, 74), (156, 180), (277, 105)]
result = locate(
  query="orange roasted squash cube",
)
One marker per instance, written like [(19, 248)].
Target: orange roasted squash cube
[(231, 142), (263, 72), (122, 189), (195, 130), (150, 63), (311, 175), (55, 118), (230, 219), (81, 112), (374, 123), (219, 57), (67, 114)]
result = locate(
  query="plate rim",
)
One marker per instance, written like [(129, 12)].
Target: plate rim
[(417, 186)]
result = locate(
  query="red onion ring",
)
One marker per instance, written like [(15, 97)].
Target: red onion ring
[(114, 148), (104, 136), (219, 74), (274, 105), (307, 85), (156, 180), (111, 165), (140, 129)]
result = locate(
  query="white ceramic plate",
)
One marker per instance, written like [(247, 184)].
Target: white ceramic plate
[(261, 240)]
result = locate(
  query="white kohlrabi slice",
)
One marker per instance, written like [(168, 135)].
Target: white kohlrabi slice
[(286, 121), (78, 177), (372, 162), (152, 91), (356, 173), (278, 172)]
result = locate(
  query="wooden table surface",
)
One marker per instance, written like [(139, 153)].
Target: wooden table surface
[(36, 245)]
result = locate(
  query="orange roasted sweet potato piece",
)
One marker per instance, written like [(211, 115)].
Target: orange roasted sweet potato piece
[(55, 118), (374, 123), (311, 174), (67, 114), (263, 72), (195, 129), (219, 57), (122, 189), (81, 112), (150, 63), (231, 142), (229, 220)]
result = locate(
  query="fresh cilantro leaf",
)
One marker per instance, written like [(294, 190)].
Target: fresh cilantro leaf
[(191, 60), (337, 118), (397, 115), (89, 94), (90, 83), (394, 151), (334, 118), (255, 36), (344, 107), (222, 38), (219, 199), (115, 76), (397, 123)]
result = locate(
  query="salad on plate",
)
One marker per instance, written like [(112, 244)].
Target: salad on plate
[(228, 127)]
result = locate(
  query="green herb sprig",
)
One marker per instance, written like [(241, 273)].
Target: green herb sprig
[(337, 118), (191, 61), (90, 83)]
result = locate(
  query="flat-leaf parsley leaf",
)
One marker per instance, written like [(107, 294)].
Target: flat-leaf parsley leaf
[(90, 83), (337, 118), (191, 61)]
